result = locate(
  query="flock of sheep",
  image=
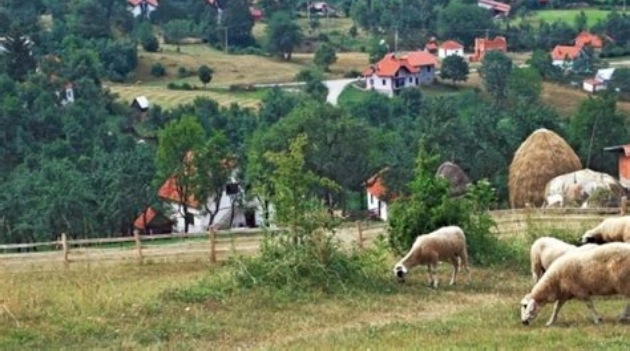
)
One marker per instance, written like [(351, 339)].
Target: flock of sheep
[(561, 271)]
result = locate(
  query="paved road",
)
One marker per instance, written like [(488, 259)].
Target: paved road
[(335, 87)]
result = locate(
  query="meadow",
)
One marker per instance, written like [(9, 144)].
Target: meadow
[(568, 16)]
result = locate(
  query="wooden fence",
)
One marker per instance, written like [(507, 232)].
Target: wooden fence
[(215, 246)]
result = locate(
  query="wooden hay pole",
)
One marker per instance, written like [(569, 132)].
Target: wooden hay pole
[(360, 235), (212, 235), (64, 246), (136, 237)]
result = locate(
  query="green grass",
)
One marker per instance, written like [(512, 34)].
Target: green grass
[(568, 16)]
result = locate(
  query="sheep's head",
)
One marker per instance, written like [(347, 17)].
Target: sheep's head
[(400, 271), (529, 310), (592, 238)]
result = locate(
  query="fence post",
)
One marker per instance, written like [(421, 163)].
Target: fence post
[(64, 246), (212, 234), (623, 206), (359, 235), (136, 237)]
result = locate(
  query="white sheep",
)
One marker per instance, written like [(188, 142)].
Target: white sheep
[(447, 244), (609, 230), (601, 271), (545, 250)]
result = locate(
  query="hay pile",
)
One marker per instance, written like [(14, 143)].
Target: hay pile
[(584, 188), (543, 156), (455, 176)]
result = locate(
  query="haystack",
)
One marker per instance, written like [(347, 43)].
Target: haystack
[(543, 156), (455, 176), (584, 188)]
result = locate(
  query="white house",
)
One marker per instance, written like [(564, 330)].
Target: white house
[(395, 72), (600, 81), (376, 192), (244, 215), (563, 56), (142, 7), (450, 47)]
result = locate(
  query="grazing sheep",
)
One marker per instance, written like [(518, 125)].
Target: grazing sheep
[(601, 271), (545, 250), (447, 244), (609, 230)]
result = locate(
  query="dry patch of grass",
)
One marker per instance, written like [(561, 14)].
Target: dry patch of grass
[(567, 100)]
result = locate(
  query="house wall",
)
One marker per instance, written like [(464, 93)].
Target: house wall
[(588, 87), (563, 63), (624, 170), (376, 206), (136, 11), (427, 74), (380, 84), (442, 53)]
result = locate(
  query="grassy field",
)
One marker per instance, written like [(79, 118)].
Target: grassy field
[(568, 16), (130, 307), (229, 70)]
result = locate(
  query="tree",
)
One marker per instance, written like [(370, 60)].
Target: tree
[(239, 23), (581, 21), (205, 74), (462, 22), (525, 84), (146, 37), (455, 68), (541, 61), (325, 56), (621, 79), (178, 143), (495, 72), (377, 49), (596, 125), (283, 35), (19, 59), (87, 20), (176, 30)]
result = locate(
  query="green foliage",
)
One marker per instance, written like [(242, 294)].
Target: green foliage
[(462, 21), (525, 84), (182, 72), (147, 38), (621, 79), (325, 56), (377, 49), (541, 61), (158, 70), (176, 30), (237, 18), (205, 74), (495, 72), (455, 68), (283, 35), (427, 206)]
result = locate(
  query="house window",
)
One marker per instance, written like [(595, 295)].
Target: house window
[(371, 198), (429, 69), (417, 81), (371, 82), (410, 79), (384, 83)]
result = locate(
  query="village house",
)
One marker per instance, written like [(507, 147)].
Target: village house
[(321, 8), (450, 47), (153, 222), (485, 45), (142, 8), (395, 72), (376, 195), (564, 56), (587, 39), (600, 81), (497, 8), (140, 104)]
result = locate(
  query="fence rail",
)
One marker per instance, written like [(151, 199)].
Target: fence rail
[(220, 245)]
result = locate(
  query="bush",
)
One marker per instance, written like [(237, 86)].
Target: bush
[(158, 70), (353, 73), (182, 72), (150, 43)]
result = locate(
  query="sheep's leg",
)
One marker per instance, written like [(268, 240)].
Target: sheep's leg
[(455, 263), (554, 314), (433, 281), (625, 316), (596, 317)]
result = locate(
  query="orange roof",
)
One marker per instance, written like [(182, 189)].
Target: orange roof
[(137, 2), (451, 45), (586, 38), (560, 52), (145, 217), (375, 184), (498, 42), (421, 58), (388, 66), (169, 191)]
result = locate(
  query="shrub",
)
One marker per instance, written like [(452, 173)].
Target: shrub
[(158, 70), (150, 43), (182, 72), (353, 73)]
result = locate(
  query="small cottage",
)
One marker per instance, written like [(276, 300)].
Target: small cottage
[(395, 72), (450, 47), (140, 103), (142, 8), (600, 81), (376, 195), (564, 56), (497, 8), (485, 45)]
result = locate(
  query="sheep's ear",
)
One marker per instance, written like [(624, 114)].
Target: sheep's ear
[(532, 305)]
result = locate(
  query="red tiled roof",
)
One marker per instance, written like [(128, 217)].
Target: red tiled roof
[(560, 52), (586, 38), (145, 217), (451, 45), (421, 58), (375, 184), (257, 14), (137, 2), (495, 5), (169, 191), (389, 66)]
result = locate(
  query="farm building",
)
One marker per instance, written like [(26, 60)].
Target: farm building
[(543, 156), (563, 56), (450, 47), (497, 8), (395, 72), (600, 81), (377, 195), (485, 45), (142, 8), (624, 163), (140, 103)]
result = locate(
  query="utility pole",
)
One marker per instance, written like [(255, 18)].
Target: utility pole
[(396, 40)]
